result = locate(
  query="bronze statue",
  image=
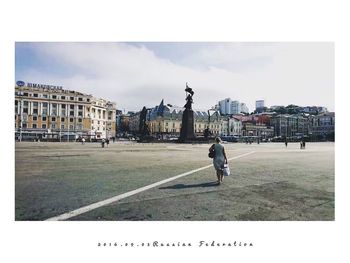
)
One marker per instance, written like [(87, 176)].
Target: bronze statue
[(189, 99), (143, 127), (187, 125)]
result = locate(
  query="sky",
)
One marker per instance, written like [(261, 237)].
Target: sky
[(137, 74)]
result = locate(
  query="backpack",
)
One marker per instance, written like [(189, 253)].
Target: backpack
[(211, 153)]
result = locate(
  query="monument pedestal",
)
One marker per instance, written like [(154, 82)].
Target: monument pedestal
[(187, 128)]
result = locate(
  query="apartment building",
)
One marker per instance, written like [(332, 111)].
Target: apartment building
[(53, 113)]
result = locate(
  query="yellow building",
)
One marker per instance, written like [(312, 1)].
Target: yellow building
[(52, 113), (167, 119)]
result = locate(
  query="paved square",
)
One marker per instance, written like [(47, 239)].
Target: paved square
[(271, 182)]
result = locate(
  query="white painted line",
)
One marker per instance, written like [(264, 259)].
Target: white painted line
[(108, 201)]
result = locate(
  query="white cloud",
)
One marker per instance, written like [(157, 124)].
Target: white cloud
[(133, 76)]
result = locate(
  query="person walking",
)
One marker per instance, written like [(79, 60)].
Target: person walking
[(219, 159)]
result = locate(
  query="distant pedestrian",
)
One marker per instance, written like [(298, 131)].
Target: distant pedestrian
[(83, 140), (219, 159), (301, 144), (113, 139), (107, 142), (103, 143), (304, 144), (286, 142)]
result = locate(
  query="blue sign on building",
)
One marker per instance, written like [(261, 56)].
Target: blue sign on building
[(20, 83)]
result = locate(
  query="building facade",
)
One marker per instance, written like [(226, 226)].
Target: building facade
[(244, 108), (228, 107), (165, 121), (290, 126), (322, 126), (261, 131), (259, 105), (225, 106), (235, 127), (52, 113)]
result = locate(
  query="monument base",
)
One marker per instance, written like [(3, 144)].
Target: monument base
[(187, 127)]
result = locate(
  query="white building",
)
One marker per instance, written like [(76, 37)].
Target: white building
[(235, 127), (259, 105), (244, 108), (224, 127), (235, 107), (228, 107), (225, 106)]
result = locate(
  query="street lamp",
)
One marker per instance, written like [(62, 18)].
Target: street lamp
[(20, 94)]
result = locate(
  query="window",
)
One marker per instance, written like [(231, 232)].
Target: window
[(25, 110), (63, 106), (53, 118), (80, 107), (35, 104), (63, 97), (71, 98), (35, 111), (62, 126), (53, 126), (44, 104), (43, 118), (70, 119), (88, 100), (80, 113), (34, 126), (35, 118), (80, 120), (24, 125), (62, 119), (80, 99), (43, 126), (44, 111), (54, 96), (35, 95), (71, 113), (25, 103), (25, 94), (71, 107), (45, 96)]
